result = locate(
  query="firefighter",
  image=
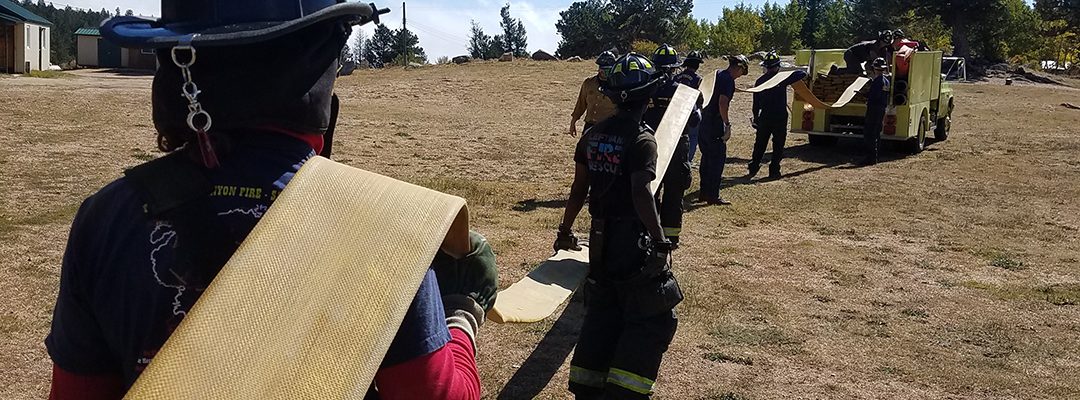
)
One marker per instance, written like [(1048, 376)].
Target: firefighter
[(143, 249), (867, 51), (770, 116), (631, 293), (877, 103), (716, 130), (677, 179), (690, 77), (591, 102)]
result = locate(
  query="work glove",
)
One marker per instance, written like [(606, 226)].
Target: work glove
[(659, 258), (565, 240), (468, 284)]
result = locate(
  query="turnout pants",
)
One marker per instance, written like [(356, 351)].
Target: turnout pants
[(713, 157), (674, 185), (766, 129), (629, 316), (872, 133)]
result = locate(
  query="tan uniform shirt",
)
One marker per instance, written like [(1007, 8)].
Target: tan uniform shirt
[(593, 103)]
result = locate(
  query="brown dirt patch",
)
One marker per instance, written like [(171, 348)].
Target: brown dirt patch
[(949, 274)]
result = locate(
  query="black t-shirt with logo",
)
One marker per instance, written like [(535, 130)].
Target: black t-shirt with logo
[(122, 292), (613, 151)]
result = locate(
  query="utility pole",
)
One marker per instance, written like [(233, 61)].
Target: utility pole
[(404, 46)]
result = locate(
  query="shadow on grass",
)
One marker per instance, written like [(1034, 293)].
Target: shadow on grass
[(533, 204), (550, 354)]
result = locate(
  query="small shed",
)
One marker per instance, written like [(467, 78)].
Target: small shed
[(24, 39), (91, 50)]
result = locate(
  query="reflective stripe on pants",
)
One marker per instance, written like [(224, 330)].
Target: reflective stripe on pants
[(587, 377), (630, 381)]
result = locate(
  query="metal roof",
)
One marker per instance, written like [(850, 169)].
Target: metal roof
[(87, 32), (14, 12)]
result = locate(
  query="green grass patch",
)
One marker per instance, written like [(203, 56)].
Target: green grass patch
[(475, 192), (1067, 294), (727, 358), (753, 336), (49, 74), (61, 214), (142, 155), (1003, 259)]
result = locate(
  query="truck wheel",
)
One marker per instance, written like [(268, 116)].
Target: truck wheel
[(822, 140), (917, 144), (942, 131)]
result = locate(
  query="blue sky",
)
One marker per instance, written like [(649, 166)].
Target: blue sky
[(443, 26)]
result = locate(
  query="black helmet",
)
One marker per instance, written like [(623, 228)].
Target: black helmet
[(693, 59), (898, 34), (885, 36), (879, 64), (230, 22), (632, 78), (665, 57), (741, 61), (772, 60), (605, 59)]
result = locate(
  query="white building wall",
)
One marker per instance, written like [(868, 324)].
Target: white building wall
[(30, 42)]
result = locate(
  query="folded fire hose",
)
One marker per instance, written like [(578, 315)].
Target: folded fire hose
[(308, 305), (539, 294), (806, 95)]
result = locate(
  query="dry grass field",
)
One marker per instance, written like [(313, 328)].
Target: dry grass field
[(954, 273)]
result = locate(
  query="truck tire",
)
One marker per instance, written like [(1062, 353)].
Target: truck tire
[(944, 124), (917, 144), (941, 133), (822, 140)]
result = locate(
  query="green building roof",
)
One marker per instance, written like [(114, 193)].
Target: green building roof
[(87, 32), (16, 13)]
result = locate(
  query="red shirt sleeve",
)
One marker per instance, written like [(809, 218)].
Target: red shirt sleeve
[(66, 385), (447, 373)]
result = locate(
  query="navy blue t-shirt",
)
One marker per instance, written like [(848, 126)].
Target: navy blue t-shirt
[(724, 85), (122, 293), (771, 104), (878, 98)]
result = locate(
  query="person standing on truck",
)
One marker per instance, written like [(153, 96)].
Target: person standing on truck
[(690, 77), (770, 117), (678, 176), (143, 248), (591, 102), (631, 293), (865, 52), (877, 102), (716, 130)]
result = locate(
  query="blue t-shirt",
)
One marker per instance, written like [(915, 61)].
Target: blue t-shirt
[(724, 85), (122, 293), (771, 105), (878, 98)]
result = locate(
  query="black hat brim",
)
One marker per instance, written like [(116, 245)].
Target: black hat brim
[(142, 33)]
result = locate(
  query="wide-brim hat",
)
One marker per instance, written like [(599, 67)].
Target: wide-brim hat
[(229, 22)]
